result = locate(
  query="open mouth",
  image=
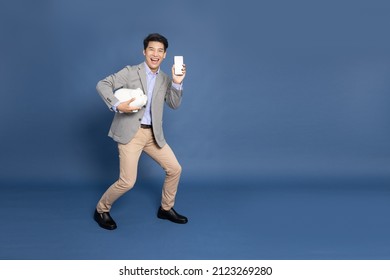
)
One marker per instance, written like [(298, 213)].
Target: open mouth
[(154, 60)]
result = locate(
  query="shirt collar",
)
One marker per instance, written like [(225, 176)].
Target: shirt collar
[(149, 72)]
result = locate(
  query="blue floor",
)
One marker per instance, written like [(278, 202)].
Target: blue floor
[(258, 218)]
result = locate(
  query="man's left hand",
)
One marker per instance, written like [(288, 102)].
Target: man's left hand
[(178, 79)]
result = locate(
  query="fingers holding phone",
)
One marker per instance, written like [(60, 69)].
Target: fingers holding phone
[(178, 69)]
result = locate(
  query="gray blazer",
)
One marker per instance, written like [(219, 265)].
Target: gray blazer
[(124, 126)]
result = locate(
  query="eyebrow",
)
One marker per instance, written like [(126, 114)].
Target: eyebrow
[(152, 48)]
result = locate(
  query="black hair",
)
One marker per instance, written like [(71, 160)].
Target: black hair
[(155, 37)]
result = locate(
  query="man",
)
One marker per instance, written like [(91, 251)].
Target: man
[(141, 131)]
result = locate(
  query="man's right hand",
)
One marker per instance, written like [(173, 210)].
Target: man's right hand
[(125, 107)]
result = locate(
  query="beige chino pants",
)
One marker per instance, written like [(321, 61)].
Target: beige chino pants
[(129, 155)]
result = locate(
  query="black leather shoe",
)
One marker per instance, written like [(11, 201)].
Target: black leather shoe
[(171, 215), (104, 220)]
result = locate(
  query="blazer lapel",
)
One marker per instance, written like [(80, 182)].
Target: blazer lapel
[(158, 83), (142, 76)]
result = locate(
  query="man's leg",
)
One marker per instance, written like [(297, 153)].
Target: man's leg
[(167, 160), (128, 164)]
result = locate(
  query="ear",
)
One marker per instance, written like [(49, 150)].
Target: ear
[(143, 52), (165, 54)]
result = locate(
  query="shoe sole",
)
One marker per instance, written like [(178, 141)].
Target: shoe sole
[(173, 221)]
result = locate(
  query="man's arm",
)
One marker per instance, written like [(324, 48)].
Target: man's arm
[(108, 85), (175, 89), (174, 95)]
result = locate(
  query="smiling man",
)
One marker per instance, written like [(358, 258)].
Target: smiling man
[(138, 130)]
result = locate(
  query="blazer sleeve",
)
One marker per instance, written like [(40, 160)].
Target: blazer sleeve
[(108, 85), (173, 96)]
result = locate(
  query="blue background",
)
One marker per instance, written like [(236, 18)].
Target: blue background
[(286, 111)]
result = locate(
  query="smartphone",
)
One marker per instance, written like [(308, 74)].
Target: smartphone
[(178, 62)]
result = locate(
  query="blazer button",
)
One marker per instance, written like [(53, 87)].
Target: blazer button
[(139, 119)]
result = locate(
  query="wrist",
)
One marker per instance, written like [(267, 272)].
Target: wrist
[(117, 109)]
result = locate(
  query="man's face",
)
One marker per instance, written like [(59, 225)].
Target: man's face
[(154, 55)]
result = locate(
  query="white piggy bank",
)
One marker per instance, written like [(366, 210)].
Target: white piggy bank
[(125, 94)]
